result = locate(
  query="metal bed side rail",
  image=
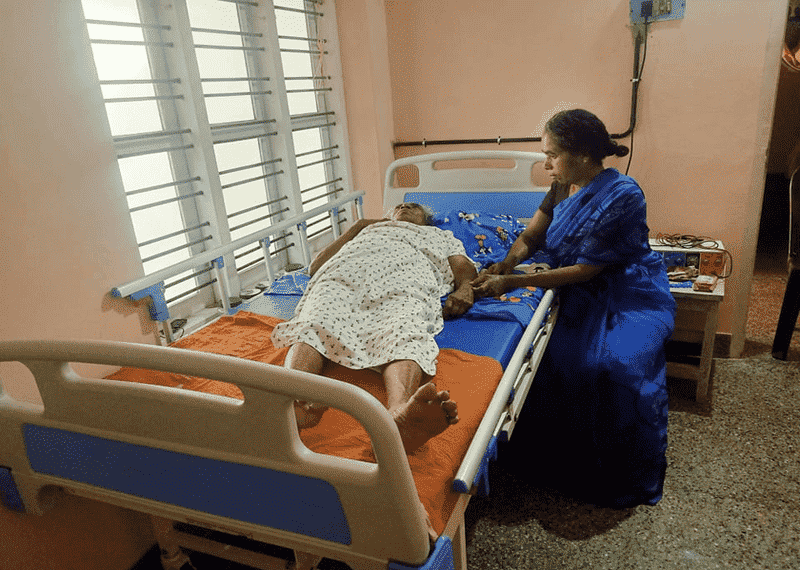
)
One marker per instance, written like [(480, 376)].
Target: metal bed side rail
[(523, 385), (152, 285), (467, 472)]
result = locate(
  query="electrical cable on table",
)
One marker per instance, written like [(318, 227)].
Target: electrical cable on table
[(688, 241)]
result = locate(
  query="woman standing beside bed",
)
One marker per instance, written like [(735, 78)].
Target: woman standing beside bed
[(597, 413)]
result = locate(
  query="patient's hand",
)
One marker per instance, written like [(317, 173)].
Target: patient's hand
[(487, 285), (458, 302)]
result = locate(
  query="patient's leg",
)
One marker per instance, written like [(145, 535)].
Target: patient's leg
[(304, 357), (421, 412)]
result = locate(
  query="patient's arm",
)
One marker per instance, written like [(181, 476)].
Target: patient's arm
[(334, 247), (462, 297)]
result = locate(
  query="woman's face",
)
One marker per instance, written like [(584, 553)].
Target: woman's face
[(563, 166), (410, 212)]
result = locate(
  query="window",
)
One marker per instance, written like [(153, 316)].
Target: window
[(227, 118)]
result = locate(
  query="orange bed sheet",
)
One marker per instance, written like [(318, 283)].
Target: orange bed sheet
[(470, 379)]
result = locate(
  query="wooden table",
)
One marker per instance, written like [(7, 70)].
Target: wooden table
[(695, 322)]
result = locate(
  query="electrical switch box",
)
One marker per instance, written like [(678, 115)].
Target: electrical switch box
[(656, 10)]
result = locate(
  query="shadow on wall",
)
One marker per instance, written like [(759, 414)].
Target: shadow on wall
[(127, 308)]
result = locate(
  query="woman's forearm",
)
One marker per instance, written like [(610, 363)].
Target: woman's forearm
[(530, 240), (461, 298), (518, 251), (554, 277)]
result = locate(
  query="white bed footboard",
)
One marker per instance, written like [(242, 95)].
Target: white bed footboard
[(226, 464)]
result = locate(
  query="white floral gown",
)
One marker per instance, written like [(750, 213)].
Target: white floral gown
[(378, 299)]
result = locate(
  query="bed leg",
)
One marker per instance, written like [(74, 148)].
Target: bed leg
[(459, 544), (172, 557), (305, 561), (456, 531)]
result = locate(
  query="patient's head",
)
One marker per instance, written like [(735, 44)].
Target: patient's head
[(412, 212)]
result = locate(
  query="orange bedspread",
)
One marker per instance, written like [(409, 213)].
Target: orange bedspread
[(470, 379)]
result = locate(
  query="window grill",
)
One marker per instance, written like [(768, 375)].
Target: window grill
[(226, 116)]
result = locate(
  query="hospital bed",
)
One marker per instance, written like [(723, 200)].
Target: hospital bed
[(232, 476)]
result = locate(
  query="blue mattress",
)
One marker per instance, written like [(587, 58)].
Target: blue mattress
[(496, 339)]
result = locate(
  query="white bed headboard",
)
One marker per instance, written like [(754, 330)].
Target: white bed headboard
[(496, 181)]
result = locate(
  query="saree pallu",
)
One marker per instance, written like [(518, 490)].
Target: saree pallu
[(601, 388)]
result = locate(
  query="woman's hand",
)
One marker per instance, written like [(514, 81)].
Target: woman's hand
[(501, 268), (458, 302), (488, 285)]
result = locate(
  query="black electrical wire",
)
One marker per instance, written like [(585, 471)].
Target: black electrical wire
[(637, 70), (634, 99)]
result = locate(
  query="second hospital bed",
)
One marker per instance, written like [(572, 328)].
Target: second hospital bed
[(202, 436)]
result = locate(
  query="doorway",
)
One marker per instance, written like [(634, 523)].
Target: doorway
[(770, 270)]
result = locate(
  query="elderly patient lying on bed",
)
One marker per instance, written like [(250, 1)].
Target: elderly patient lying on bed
[(374, 302)]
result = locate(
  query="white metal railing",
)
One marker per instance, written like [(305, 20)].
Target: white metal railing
[(153, 285), (494, 416)]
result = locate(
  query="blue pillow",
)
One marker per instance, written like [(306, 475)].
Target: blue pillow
[(486, 237), (294, 283)]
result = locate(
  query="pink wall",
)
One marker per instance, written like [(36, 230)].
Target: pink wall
[(66, 241), (467, 69), (66, 233), (368, 91), (472, 69)]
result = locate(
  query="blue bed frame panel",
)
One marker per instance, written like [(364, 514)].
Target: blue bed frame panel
[(9, 494), (242, 492)]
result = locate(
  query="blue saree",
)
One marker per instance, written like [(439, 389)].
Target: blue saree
[(598, 408)]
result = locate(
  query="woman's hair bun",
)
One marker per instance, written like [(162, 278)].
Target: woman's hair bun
[(618, 149), (582, 133)]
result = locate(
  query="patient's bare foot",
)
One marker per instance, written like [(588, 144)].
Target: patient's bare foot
[(308, 414), (426, 414)]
